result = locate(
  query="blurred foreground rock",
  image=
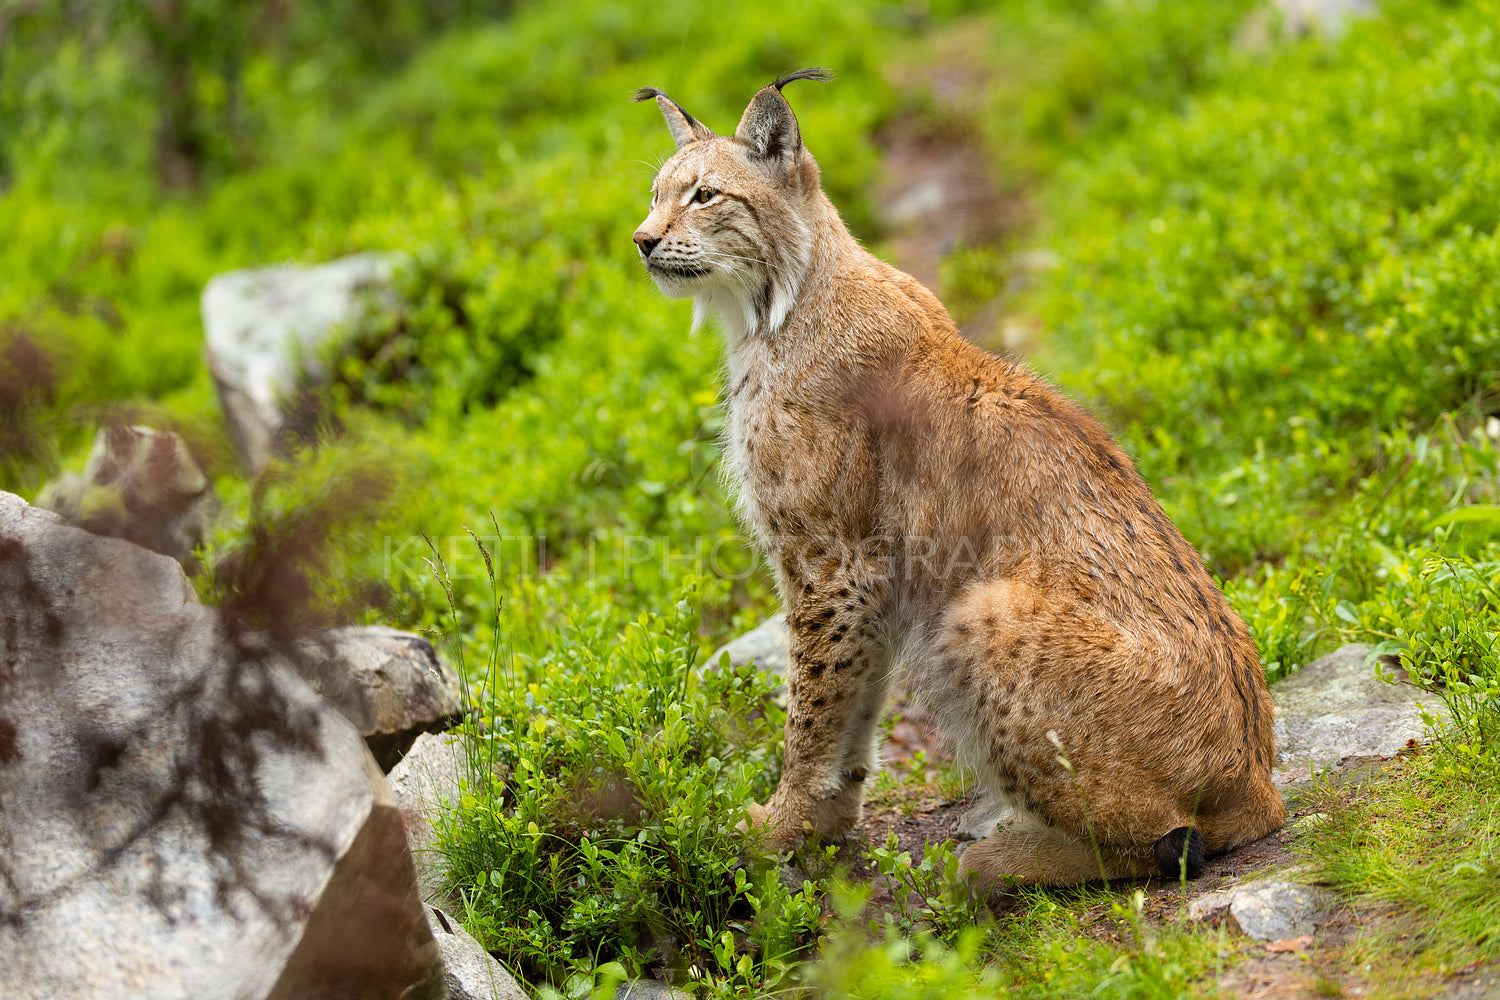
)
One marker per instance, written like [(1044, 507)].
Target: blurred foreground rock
[(265, 326), (391, 684), (183, 816), (140, 485)]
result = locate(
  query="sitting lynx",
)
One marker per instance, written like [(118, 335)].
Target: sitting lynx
[(929, 507)]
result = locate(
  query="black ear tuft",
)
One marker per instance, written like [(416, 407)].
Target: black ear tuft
[(768, 126), (815, 73), (1179, 854), (683, 126)]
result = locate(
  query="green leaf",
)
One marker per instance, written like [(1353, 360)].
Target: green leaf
[(1478, 514)]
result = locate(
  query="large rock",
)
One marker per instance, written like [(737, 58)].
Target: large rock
[(470, 972), (266, 326), (183, 816), (140, 485), (1337, 708), (391, 684)]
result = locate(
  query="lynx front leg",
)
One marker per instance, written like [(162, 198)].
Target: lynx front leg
[(839, 676)]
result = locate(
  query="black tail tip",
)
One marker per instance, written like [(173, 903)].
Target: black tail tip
[(1179, 854)]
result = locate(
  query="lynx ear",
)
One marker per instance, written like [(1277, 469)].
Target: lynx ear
[(768, 126), (683, 126)]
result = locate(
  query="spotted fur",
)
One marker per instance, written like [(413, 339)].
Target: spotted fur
[(931, 508)]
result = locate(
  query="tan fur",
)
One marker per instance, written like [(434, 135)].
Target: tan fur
[(930, 507)]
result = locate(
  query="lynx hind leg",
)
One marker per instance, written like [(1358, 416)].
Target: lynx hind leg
[(1031, 683), (1025, 851)]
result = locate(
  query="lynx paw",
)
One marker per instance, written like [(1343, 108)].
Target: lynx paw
[(760, 816), (773, 832)]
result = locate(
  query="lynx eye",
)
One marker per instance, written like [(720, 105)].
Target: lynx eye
[(704, 195)]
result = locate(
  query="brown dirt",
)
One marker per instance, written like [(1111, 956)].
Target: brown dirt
[(940, 191)]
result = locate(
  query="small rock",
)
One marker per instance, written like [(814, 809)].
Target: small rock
[(140, 485), (981, 818), (391, 684), (1275, 909), (470, 972), (1330, 17), (768, 647), (1337, 708), (1267, 909), (266, 326), (792, 878), (916, 203), (649, 989), (1210, 904)]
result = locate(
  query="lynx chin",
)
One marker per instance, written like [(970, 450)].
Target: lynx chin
[(933, 510)]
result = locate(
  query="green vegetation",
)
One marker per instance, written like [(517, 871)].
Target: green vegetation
[(1275, 282)]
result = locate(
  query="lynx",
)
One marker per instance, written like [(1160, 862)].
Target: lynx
[(931, 509)]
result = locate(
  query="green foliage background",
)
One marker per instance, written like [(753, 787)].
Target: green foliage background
[(1274, 280)]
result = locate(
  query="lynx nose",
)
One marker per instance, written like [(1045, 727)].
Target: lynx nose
[(646, 242)]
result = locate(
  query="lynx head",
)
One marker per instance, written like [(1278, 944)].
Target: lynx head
[(730, 220)]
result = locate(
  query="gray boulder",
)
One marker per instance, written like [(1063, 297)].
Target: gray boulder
[(184, 817), (141, 485), (471, 972), (1337, 708), (1267, 909), (266, 326), (391, 684)]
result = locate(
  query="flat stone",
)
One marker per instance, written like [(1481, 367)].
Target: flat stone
[(391, 684), (1268, 909), (470, 972), (1275, 909), (266, 327), (1336, 708), (141, 485), (184, 819)]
